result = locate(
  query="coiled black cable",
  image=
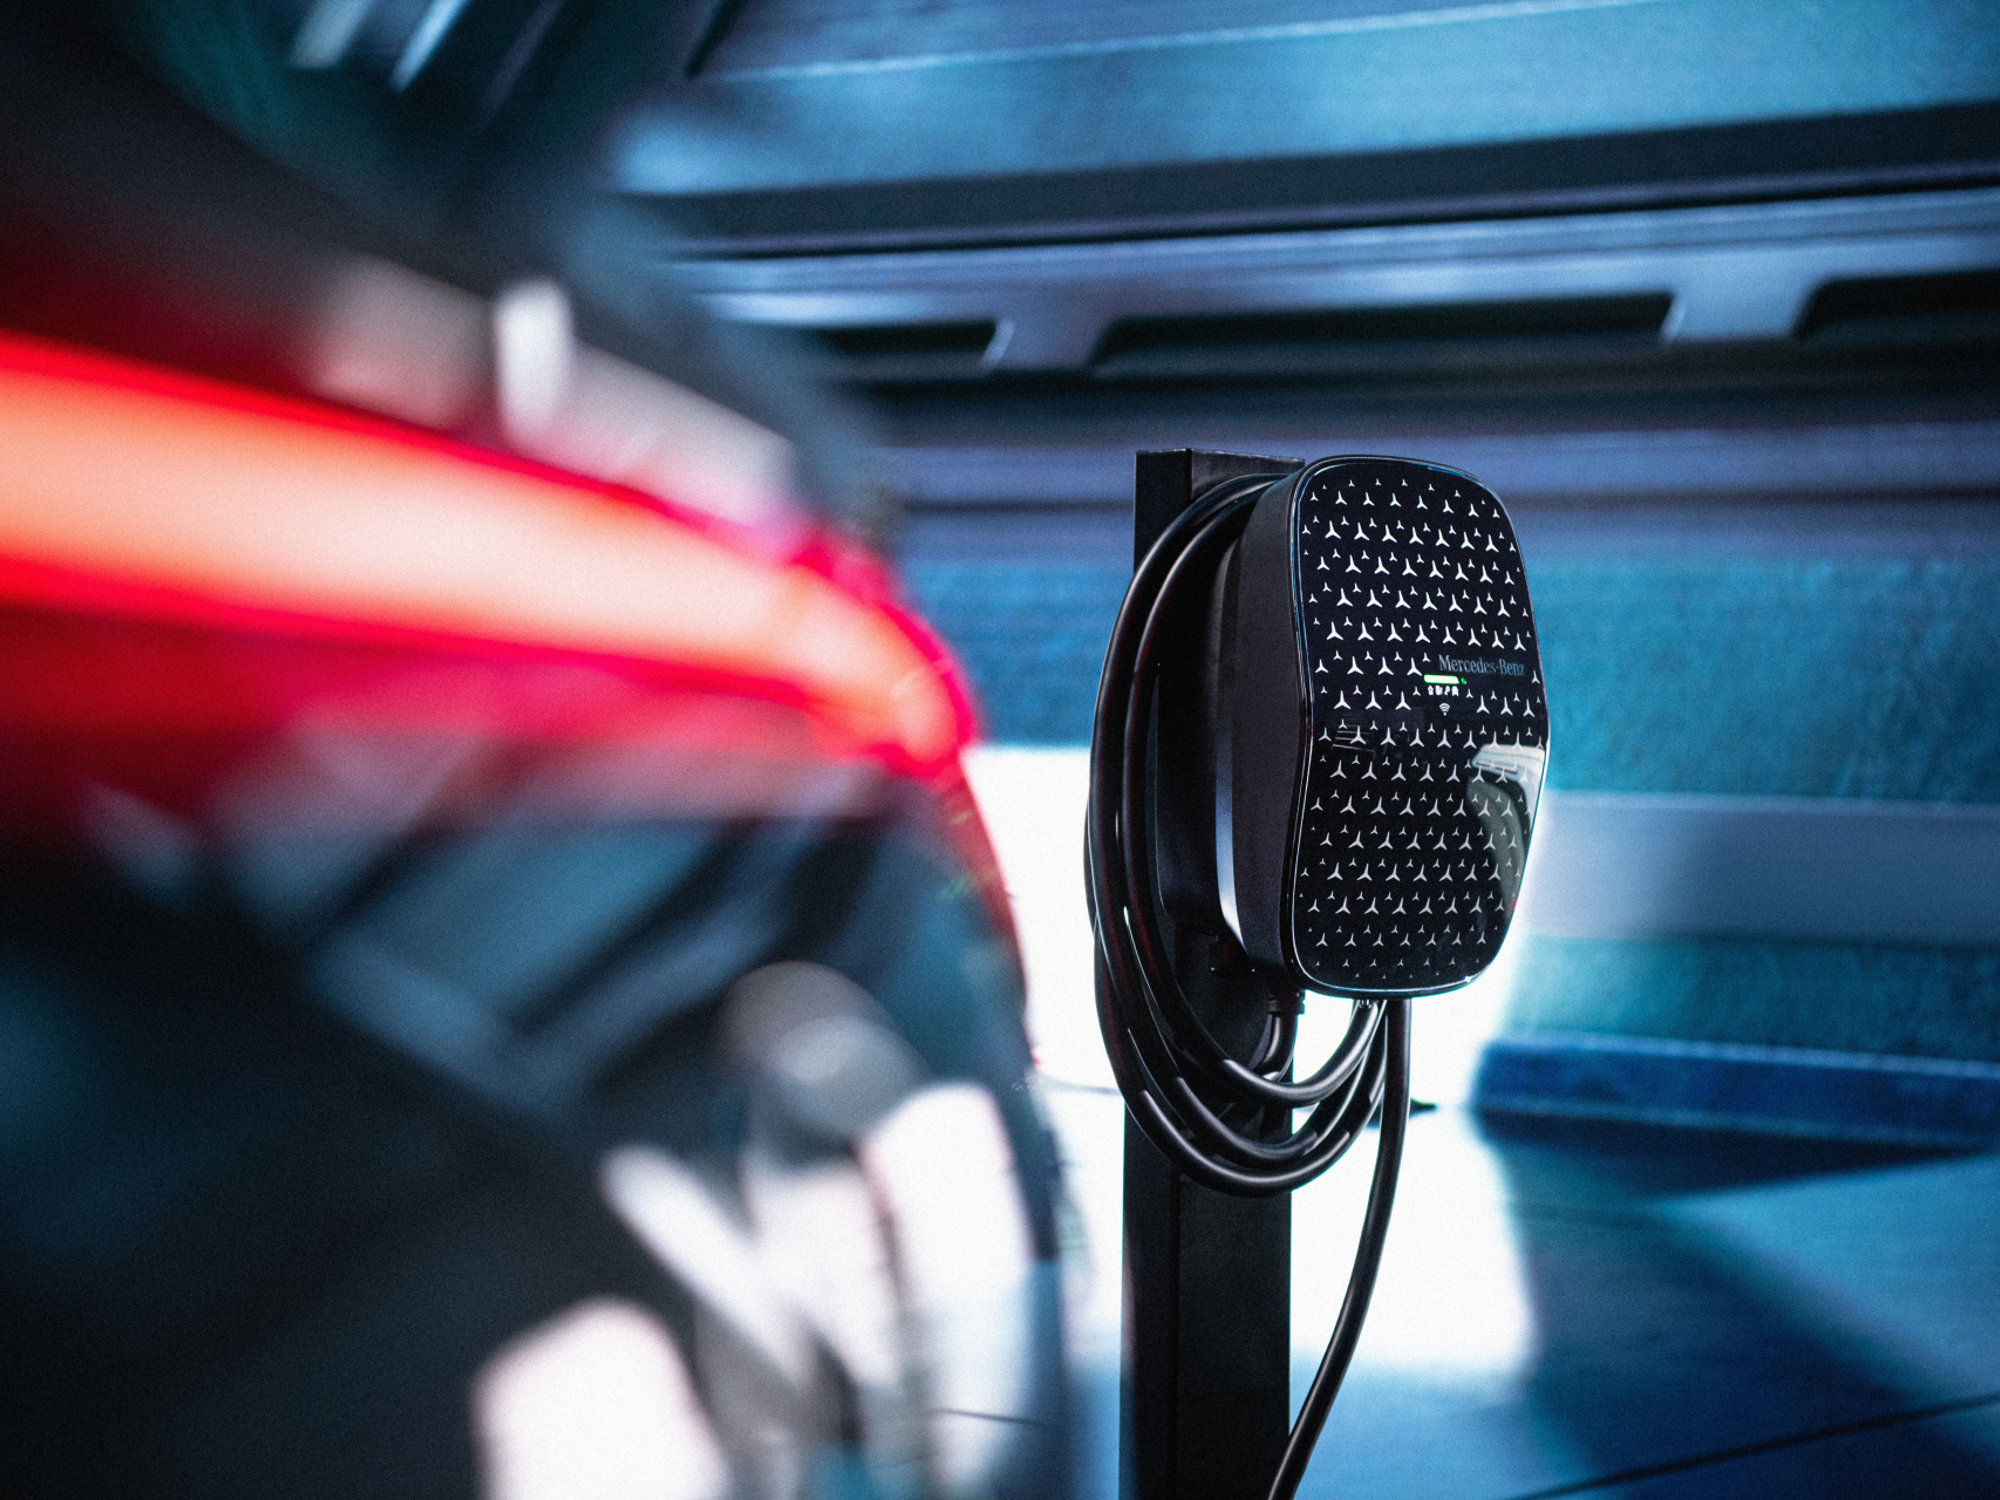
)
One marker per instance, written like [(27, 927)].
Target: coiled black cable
[(1221, 1122)]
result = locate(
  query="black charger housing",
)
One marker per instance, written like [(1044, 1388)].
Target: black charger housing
[(1379, 724)]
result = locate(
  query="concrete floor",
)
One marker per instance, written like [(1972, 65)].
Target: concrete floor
[(1566, 1309)]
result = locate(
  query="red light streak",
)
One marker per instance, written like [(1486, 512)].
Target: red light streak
[(133, 490)]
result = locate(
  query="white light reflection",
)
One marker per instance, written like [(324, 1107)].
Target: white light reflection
[(942, 1167), (437, 19), (1032, 802), (534, 346), (593, 1405), (673, 1214), (824, 1252), (327, 32), (915, 1268), (388, 340), (582, 409), (1451, 1031), (1452, 1300)]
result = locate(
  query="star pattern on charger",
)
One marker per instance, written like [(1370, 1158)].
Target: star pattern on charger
[(1424, 688)]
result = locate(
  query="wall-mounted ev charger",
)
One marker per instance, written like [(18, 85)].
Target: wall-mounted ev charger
[(1319, 747)]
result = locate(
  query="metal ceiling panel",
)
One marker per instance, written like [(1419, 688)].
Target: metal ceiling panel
[(1013, 89), (1732, 273)]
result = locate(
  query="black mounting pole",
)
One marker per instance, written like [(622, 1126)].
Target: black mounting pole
[(1206, 1398)]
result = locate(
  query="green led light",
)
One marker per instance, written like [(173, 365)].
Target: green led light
[(1447, 681)]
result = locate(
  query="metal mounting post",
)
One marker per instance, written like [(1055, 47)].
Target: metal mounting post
[(1206, 1398)]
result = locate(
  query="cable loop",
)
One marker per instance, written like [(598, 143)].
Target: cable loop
[(1182, 1081)]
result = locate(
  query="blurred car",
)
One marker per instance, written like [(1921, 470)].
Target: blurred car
[(503, 986)]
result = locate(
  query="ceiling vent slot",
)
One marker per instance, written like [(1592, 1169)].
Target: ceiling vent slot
[(1961, 307), (906, 351), (1368, 339)]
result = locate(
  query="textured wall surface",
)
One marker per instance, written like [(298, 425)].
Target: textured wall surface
[(1819, 663), (1864, 997), (1828, 652), (1032, 634)]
